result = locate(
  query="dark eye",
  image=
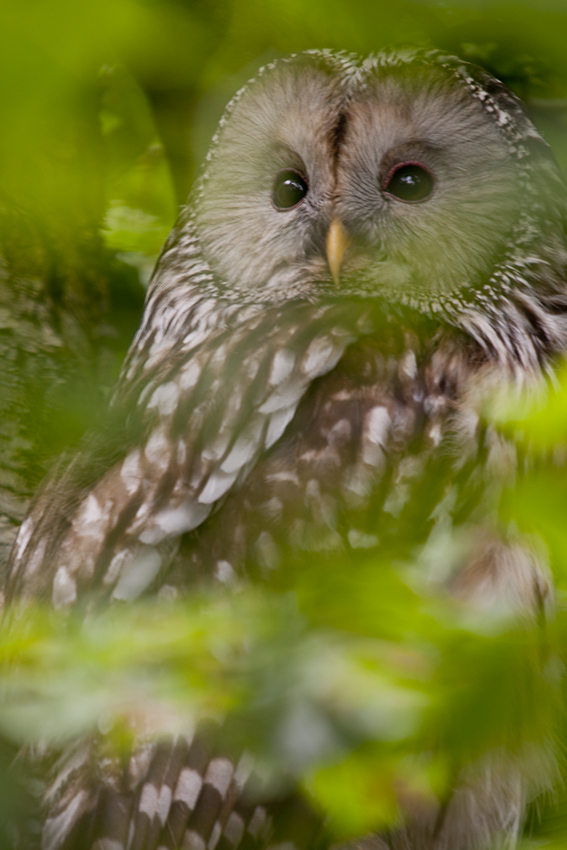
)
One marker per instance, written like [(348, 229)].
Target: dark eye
[(409, 182), (289, 189)]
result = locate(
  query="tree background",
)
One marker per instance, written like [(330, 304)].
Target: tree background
[(106, 110)]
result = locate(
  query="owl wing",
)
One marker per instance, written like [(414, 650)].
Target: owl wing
[(207, 414), (195, 425), (172, 793), (215, 419)]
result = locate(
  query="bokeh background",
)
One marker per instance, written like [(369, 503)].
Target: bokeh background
[(106, 112)]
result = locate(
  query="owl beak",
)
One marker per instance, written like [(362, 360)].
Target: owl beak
[(336, 245)]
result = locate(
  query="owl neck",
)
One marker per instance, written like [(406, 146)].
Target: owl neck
[(523, 326)]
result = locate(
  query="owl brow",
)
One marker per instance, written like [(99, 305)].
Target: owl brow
[(289, 157), (409, 150), (424, 145)]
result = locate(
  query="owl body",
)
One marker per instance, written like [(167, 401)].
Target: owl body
[(374, 246)]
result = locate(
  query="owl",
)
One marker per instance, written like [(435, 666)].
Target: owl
[(373, 247)]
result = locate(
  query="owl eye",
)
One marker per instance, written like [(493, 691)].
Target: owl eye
[(409, 182), (289, 189)]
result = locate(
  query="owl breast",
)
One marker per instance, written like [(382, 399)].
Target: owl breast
[(368, 448)]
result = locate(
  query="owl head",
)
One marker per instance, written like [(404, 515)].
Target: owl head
[(409, 175), (409, 178)]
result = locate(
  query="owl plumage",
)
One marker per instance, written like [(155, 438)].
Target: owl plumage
[(373, 247)]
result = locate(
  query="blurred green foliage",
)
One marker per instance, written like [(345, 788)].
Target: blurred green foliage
[(363, 681), (366, 687)]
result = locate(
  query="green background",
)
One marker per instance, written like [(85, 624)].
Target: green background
[(106, 111)]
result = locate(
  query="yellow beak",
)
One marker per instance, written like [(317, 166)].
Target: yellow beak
[(336, 244)]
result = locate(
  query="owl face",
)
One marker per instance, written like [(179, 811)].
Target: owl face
[(336, 177)]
